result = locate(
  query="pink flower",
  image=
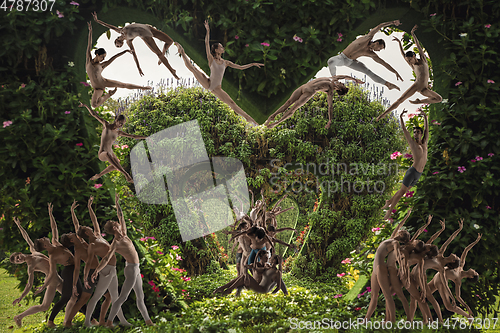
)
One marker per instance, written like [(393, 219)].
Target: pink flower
[(74, 3), (357, 309), (433, 14), (409, 194), (124, 146), (236, 37), (487, 26), (142, 276), (143, 239), (85, 84), (488, 207), (116, 146), (59, 14), (339, 34), (473, 161), (490, 81), (23, 85), (159, 252), (152, 238), (340, 275), (368, 289), (174, 247), (264, 44), (337, 296), (458, 83), (408, 156), (297, 39), (79, 144), (183, 290), (375, 229), (67, 112), (7, 123), (178, 257), (395, 155), (339, 40), (425, 230), (103, 234), (461, 169), (479, 158), (246, 45), (346, 261), (434, 122), (186, 278), (151, 283), (411, 115), (435, 172), (394, 211), (489, 155), (97, 185)]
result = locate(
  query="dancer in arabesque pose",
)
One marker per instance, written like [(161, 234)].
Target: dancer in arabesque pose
[(217, 68)]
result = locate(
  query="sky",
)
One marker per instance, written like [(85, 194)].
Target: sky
[(154, 73)]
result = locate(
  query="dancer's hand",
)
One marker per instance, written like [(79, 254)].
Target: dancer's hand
[(359, 81), (75, 291), (414, 28), (258, 64), (94, 15), (94, 277), (206, 25), (16, 220), (398, 77), (17, 300), (396, 23), (395, 39), (50, 207), (91, 200), (74, 205), (40, 289), (90, 26), (86, 284), (402, 113)]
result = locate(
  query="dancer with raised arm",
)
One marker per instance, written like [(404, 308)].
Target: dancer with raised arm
[(217, 67), (109, 134), (418, 146), (456, 275), (421, 84), (58, 254), (306, 91), (108, 281), (124, 246), (94, 68), (365, 47), (36, 262), (146, 33)]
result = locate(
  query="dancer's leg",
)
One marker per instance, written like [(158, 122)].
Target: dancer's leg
[(293, 98), (432, 97), (50, 292), (228, 100), (139, 296), (360, 67), (113, 290), (101, 288), (398, 288), (115, 162), (335, 61), (300, 102), (383, 281), (130, 276), (67, 291), (407, 94), (393, 202), (113, 83), (150, 42), (98, 99), (375, 289), (201, 77)]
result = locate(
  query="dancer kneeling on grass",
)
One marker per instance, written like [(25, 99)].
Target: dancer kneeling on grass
[(109, 134), (124, 246), (217, 67), (306, 91), (94, 68)]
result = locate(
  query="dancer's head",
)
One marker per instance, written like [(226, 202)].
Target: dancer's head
[(111, 227), (411, 57), (120, 120), (85, 232), (341, 88), (242, 226), (418, 132), (100, 54), (216, 49), (271, 228), (119, 41), (377, 45), (431, 250), (258, 232), (68, 240), (403, 236), (17, 258), (454, 264), (262, 255), (471, 275), (41, 244)]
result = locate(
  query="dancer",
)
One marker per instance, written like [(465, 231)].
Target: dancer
[(108, 281), (146, 33), (456, 275), (94, 68), (421, 85), (364, 46), (58, 254), (36, 262), (124, 246), (418, 146), (109, 134), (306, 91), (217, 67)]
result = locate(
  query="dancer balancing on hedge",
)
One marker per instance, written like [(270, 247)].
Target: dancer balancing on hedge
[(109, 134), (217, 67), (146, 33), (124, 246), (365, 47), (421, 84), (95, 66), (306, 91), (37, 262), (418, 146)]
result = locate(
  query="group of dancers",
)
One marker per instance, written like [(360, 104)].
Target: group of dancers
[(392, 271), (99, 278), (255, 236)]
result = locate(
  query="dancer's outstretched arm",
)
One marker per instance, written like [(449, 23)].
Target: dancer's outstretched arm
[(88, 54), (107, 25), (29, 284), (76, 223), (25, 236), (419, 47), (86, 270), (400, 224), (53, 225), (436, 235), (448, 241), (377, 59), (51, 276), (233, 65), (132, 50), (104, 260), (210, 58), (346, 77), (94, 114), (120, 215), (97, 230), (426, 125), (421, 230), (105, 64), (380, 26), (403, 126), (467, 249)]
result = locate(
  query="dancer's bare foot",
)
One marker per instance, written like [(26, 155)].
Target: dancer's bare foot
[(417, 101), (94, 322), (180, 49), (391, 86), (387, 204), (18, 320), (94, 177), (50, 323), (150, 323), (130, 179), (67, 324), (328, 124), (109, 324), (175, 75), (112, 92), (388, 214)]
